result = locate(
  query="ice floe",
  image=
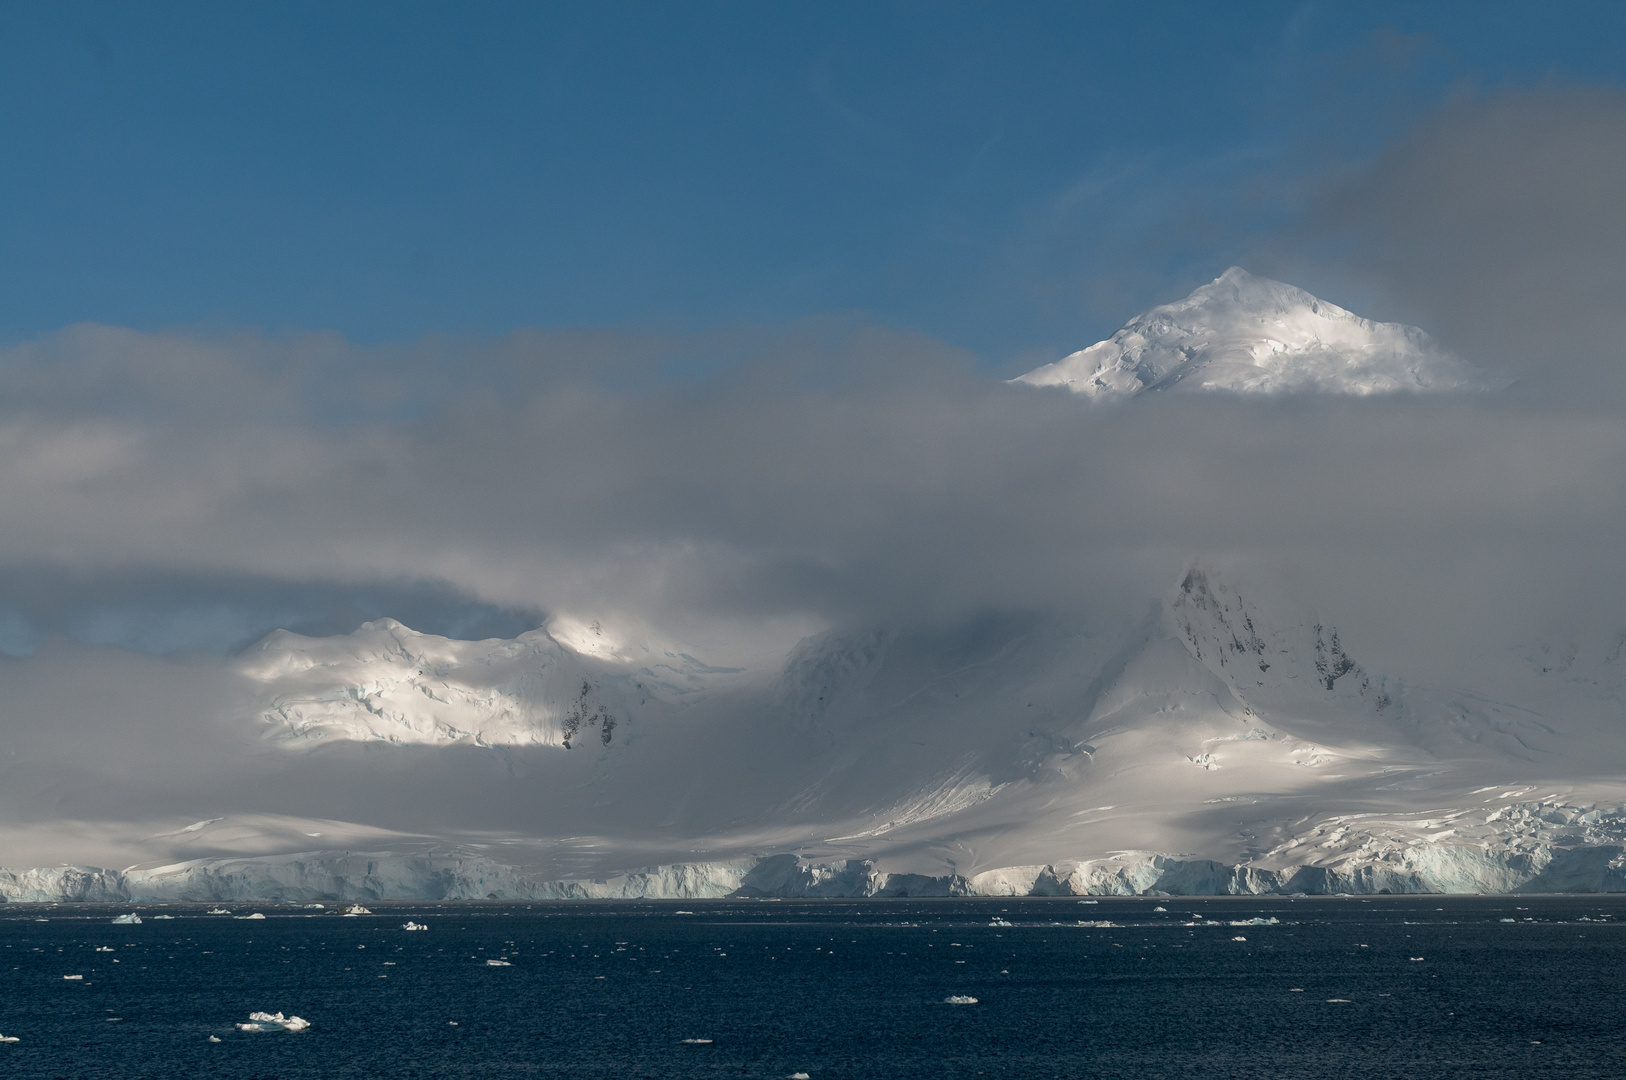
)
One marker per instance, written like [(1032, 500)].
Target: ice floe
[(256, 915), (217, 911), (73, 977), (9, 1039), (1001, 922), (696, 1042), (410, 925), (133, 919), (498, 963), (263, 1021), (959, 999)]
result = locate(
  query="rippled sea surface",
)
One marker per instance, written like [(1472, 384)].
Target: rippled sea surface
[(1391, 986)]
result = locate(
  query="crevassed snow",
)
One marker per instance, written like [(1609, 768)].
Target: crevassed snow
[(1247, 334)]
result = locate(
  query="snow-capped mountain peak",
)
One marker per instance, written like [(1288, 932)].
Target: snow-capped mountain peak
[(1247, 334)]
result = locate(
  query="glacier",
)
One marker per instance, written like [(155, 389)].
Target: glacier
[(1223, 737)]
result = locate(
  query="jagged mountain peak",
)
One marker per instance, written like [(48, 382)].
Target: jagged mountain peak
[(1246, 334)]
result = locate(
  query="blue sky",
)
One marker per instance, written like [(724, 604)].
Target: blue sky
[(1013, 180), (694, 314)]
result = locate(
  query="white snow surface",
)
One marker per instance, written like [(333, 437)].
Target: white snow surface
[(1006, 756), (1250, 335), (386, 682)]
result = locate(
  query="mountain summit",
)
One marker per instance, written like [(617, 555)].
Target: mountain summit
[(1250, 335)]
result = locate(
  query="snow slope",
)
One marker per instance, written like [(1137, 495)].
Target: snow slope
[(390, 683), (1251, 335), (1226, 740)]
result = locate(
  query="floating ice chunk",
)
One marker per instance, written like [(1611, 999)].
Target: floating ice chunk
[(1239, 937), (9, 1039), (214, 1038), (696, 1042), (73, 976), (1510, 920), (1160, 907), (498, 963), (1338, 1001), (1001, 922), (1256, 922), (256, 915), (410, 925), (1089, 901), (682, 913), (1416, 959), (217, 911), (1295, 990), (1100, 924), (315, 907), (354, 909), (263, 1021), (170, 917), (798, 1076), (104, 948), (959, 999), (133, 919)]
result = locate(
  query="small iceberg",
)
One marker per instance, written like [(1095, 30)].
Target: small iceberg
[(9, 1038), (498, 963), (214, 1038), (798, 1076), (104, 948), (1001, 922), (1256, 922), (262, 1021), (354, 909), (410, 925), (1239, 937), (959, 999), (315, 907), (256, 915), (696, 1042), (217, 911), (171, 917), (131, 919), (73, 976)]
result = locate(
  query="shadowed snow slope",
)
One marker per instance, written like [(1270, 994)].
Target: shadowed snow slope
[(1226, 741), (1251, 335)]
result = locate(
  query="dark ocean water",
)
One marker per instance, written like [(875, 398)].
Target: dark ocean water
[(830, 989)]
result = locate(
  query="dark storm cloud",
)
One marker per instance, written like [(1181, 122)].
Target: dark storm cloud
[(1500, 225)]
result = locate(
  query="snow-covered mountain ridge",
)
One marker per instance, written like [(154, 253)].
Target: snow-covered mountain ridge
[(1250, 335), (389, 683), (1230, 740)]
